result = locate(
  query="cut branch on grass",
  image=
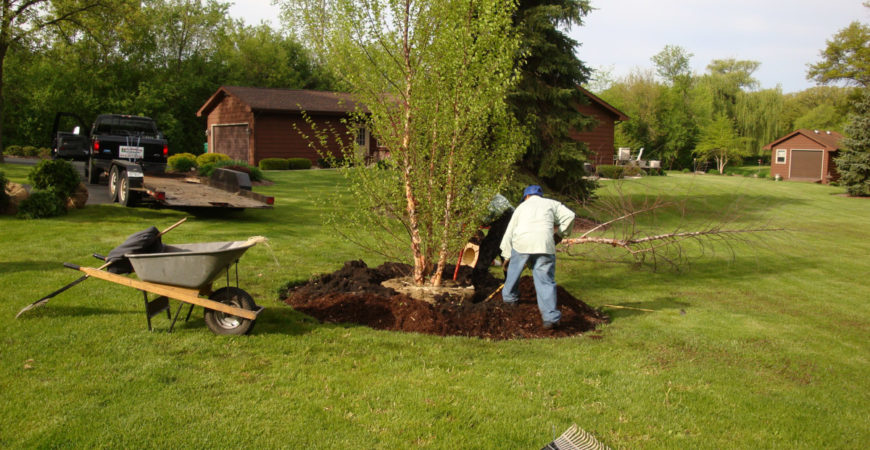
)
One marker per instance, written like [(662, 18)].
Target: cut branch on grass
[(646, 240)]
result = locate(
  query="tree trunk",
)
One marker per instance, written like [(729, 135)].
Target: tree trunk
[(408, 169), (3, 48)]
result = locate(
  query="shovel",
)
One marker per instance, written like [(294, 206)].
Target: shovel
[(45, 299)]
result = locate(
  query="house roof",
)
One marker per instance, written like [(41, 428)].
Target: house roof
[(621, 116), (829, 140), (283, 100)]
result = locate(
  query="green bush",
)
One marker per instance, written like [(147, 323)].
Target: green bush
[(210, 158), (712, 172), (29, 151), (182, 162), (253, 172), (55, 174), (41, 204), (686, 170), (274, 164), (631, 171), (610, 171), (4, 197), (299, 163), (655, 172), (13, 150)]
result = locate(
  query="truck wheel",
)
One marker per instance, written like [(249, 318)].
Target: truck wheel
[(114, 181), (93, 172), (223, 323), (126, 197)]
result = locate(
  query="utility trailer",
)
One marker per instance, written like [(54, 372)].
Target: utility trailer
[(130, 185)]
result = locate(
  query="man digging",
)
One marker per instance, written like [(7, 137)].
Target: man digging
[(530, 240)]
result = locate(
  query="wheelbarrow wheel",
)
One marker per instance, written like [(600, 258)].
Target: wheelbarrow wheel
[(223, 323)]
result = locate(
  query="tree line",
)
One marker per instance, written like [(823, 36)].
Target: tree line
[(720, 115), (158, 58)]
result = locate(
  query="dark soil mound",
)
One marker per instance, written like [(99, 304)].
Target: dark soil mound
[(354, 294)]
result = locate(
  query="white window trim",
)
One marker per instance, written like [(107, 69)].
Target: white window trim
[(784, 157)]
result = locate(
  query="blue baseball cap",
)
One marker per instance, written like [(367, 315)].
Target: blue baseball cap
[(533, 190)]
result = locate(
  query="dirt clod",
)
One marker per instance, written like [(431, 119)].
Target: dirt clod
[(354, 294)]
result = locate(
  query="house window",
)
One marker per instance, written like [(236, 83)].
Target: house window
[(361, 137), (780, 156)]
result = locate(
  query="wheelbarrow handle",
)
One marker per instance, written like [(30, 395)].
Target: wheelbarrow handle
[(72, 266)]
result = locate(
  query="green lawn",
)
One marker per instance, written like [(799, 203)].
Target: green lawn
[(767, 348)]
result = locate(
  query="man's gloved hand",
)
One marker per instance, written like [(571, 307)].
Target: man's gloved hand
[(557, 238), (504, 265)]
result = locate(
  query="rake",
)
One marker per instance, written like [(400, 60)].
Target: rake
[(575, 438)]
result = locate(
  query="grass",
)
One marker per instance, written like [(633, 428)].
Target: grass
[(765, 349)]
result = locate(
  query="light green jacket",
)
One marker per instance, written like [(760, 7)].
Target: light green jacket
[(532, 226)]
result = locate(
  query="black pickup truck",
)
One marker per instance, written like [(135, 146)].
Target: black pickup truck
[(118, 137)]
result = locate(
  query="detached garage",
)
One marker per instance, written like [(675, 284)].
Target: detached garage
[(250, 124), (805, 155)]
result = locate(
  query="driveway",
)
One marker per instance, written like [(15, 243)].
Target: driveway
[(98, 194)]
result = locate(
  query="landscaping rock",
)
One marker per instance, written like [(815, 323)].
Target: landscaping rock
[(17, 194), (79, 197)]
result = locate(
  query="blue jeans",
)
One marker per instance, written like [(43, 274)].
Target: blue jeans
[(544, 273)]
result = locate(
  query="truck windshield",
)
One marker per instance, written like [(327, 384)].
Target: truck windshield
[(134, 126)]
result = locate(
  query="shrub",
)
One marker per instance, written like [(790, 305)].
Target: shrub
[(610, 171), (712, 172), (182, 162), (13, 150), (210, 158), (41, 204), (254, 172), (631, 171), (686, 170), (4, 197), (655, 172), (55, 174), (274, 164), (29, 150), (299, 163)]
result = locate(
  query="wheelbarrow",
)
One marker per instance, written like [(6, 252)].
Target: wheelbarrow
[(186, 272)]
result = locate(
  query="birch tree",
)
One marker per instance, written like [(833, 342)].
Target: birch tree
[(433, 77)]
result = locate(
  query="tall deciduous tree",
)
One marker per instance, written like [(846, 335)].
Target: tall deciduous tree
[(854, 162), (547, 97), (433, 76), (22, 20), (719, 142), (846, 57)]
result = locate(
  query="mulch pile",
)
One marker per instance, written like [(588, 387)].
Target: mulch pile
[(354, 294)]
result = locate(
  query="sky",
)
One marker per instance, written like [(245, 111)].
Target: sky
[(620, 36)]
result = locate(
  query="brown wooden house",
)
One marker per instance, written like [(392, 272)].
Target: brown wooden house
[(251, 124), (600, 138), (805, 155)]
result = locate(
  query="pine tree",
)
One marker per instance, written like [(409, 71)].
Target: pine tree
[(854, 161), (546, 98)]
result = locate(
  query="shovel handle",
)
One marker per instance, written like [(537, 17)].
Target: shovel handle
[(173, 226)]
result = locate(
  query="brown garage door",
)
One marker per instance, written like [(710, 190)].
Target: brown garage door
[(232, 140), (806, 164)]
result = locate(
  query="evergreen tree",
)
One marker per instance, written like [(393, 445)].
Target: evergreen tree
[(547, 97), (854, 162)]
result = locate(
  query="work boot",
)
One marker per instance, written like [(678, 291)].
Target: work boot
[(551, 325)]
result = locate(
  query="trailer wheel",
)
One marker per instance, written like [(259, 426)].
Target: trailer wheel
[(223, 323), (114, 181), (126, 197), (93, 172)]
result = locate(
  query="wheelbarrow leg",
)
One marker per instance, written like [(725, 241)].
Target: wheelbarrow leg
[(189, 311), (177, 313), (154, 307)]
